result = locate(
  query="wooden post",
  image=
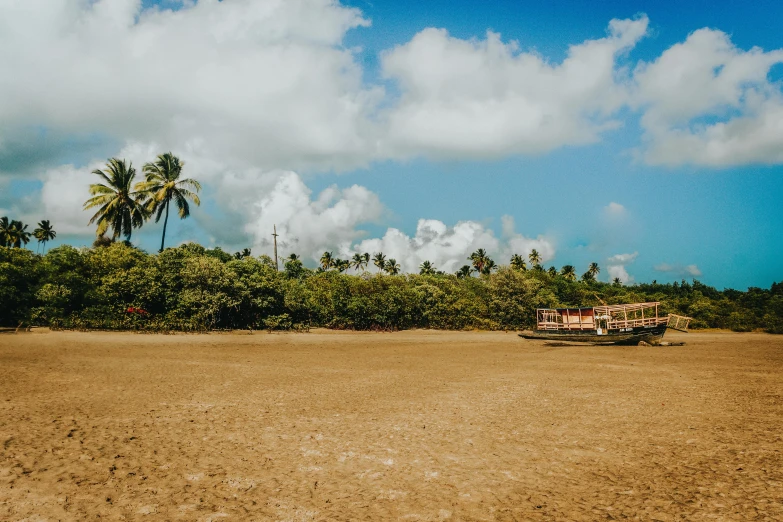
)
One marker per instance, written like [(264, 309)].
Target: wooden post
[(274, 235)]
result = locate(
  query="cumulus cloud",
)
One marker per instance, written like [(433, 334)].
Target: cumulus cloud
[(623, 259), (271, 85), (615, 210), (616, 266), (678, 270), (448, 247), (485, 98), (267, 83), (707, 102), (619, 272), (308, 226), (331, 221)]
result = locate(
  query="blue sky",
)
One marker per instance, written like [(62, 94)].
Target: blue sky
[(630, 196)]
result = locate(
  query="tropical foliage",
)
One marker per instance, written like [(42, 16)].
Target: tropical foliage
[(163, 185), (13, 233), (120, 207), (44, 233), (193, 288)]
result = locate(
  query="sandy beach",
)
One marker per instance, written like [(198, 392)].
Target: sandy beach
[(415, 425)]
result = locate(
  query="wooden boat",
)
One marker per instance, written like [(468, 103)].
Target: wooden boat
[(607, 324)]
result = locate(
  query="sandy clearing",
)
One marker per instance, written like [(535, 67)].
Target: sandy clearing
[(416, 425)]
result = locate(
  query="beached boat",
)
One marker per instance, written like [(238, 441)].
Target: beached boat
[(607, 324)]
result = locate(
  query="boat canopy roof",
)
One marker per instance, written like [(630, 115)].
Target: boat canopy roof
[(605, 309)]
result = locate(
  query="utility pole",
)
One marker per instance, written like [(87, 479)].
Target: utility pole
[(277, 267)]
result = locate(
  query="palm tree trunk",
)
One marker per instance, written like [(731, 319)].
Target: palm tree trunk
[(165, 222)]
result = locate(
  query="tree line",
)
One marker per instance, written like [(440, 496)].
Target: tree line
[(115, 285), (192, 288)]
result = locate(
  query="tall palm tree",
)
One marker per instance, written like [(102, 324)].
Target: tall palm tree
[(534, 257), (568, 272), (479, 259), (18, 234), (392, 267), (120, 207), (327, 260), (44, 233), (5, 231), (379, 260), (163, 184), (427, 268), (552, 271), (594, 270), (359, 261), (341, 264), (464, 272), (246, 252), (616, 282), (293, 267), (518, 262), (489, 266)]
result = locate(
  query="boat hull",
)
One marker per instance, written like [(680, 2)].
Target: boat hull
[(648, 334)]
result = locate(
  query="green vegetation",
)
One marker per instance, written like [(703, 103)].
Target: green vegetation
[(117, 286), (123, 205), (192, 288)]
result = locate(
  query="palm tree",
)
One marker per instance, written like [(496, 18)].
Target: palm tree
[(479, 259), (293, 266), (44, 233), (426, 268), (163, 184), (327, 260), (489, 266), (534, 257), (464, 272), (518, 262), (359, 261), (5, 231), (617, 282), (341, 264), (119, 206), (243, 254), (552, 271), (18, 234), (594, 270), (379, 260), (568, 272), (392, 267)]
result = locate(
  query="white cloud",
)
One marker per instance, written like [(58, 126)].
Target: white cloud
[(619, 272), (448, 248), (616, 267), (623, 259), (264, 83), (270, 85), (679, 270), (707, 102), (484, 98), (615, 210), (518, 244), (310, 226)]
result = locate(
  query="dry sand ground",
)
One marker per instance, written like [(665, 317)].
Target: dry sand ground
[(414, 425)]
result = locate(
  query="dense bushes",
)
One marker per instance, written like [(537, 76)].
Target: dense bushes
[(192, 288)]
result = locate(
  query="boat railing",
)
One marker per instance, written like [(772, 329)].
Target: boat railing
[(678, 322), (615, 324)]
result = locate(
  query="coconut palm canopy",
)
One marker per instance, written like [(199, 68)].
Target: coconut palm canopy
[(120, 207), (163, 185)]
